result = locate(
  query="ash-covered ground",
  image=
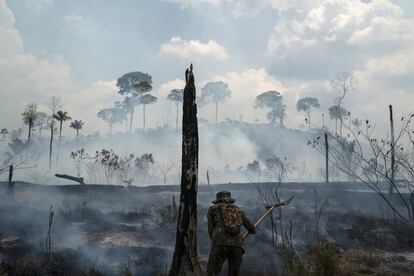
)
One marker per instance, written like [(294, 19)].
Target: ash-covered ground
[(114, 230)]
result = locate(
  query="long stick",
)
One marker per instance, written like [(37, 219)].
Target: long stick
[(268, 211)]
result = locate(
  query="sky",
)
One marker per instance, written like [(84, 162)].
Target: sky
[(78, 49)]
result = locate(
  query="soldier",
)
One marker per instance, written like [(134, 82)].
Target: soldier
[(224, 221)]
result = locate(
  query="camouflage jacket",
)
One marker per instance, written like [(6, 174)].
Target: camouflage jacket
[(216, 230)]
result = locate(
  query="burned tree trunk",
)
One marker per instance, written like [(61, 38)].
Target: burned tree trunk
[(51, 146), (10, 187), (185, 259), (70, 177), (326, 159), (391, 187)]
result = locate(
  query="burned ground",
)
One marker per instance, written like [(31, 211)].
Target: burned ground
[(113, 230)]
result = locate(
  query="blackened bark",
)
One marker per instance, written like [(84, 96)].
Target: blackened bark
[(10, 187), (391, 187), (326, 159), (185, 259), (60, 139), (51, 147), (30, 129), (70, 177)]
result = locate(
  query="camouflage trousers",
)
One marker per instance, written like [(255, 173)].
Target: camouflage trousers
[(219, 254)]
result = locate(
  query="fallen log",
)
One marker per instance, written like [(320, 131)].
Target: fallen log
[(70, 177)]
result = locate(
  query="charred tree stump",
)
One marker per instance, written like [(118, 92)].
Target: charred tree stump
[(10, 186), (185, 259), (70, 177)]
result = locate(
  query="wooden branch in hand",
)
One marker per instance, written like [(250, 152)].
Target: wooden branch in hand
[(70, 177), (268, 211)]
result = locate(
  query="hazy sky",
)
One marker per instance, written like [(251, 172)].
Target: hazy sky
[(77, 49)]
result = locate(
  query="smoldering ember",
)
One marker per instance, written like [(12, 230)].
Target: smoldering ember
[(201, 137)]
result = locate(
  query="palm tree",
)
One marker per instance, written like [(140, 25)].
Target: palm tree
[(60, 116), (77, 125), (29, 117)]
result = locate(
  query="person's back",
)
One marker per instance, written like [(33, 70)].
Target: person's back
[(224, 223)]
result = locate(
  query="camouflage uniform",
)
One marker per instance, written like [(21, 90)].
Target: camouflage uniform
[(225, 245)]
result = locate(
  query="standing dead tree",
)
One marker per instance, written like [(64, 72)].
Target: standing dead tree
[(19, 157), (48, 238), (392, 144), (165, 169), (326, 158), (369, 160), (344, 83), (270, 194), (185, 259), (10, 187)]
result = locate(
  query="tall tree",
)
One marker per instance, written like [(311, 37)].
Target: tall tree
[(273, 101), (185, 258), (53, 104), (176, 96), (145, 100), (337, 113), (357, 123), (344, 83), (41, 122), (60, 116), (112, 115), (133, 85), (215, 92), (77, 125), (52, 127), (305, 104), (29, 117), (123, 108)]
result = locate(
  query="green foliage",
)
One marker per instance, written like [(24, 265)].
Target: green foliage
[(274, 101), (338, 112), (269, 99), (61, 116), (134, 83), (215, 92), (77, 124), (112, 115), (143, 86), (147, 99), (176, 96), (30, 113), (305, 104)]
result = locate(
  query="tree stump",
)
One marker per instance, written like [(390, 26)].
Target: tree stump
[(185, 259)]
